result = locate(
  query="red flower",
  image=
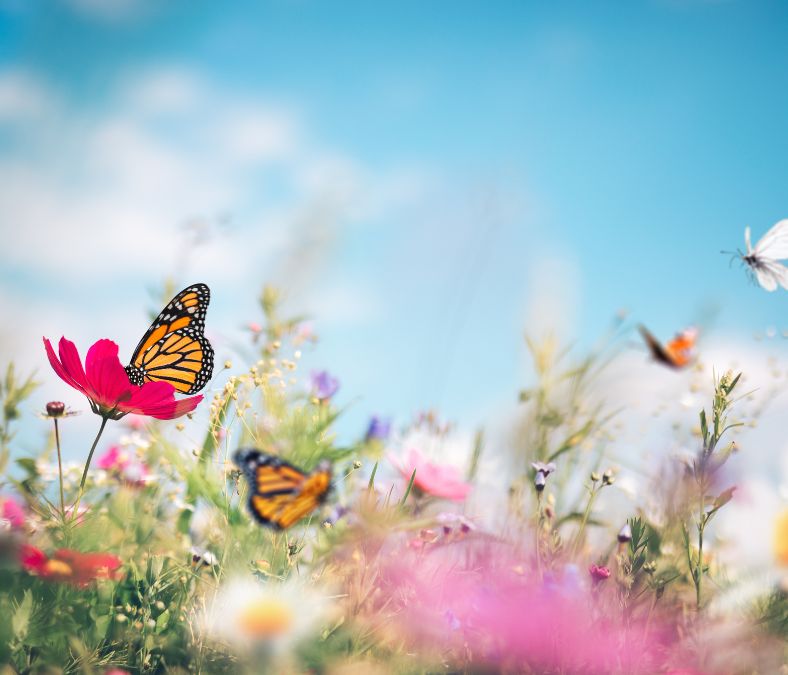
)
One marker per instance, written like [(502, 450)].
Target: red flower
[(105, 382), (69, 566)]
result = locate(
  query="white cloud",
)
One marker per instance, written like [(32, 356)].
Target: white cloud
[(22, 97)]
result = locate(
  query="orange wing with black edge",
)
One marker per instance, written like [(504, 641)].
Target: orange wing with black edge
[(280, 493), (675, 354), (174, 348)]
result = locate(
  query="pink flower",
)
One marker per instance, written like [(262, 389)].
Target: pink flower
[(433, 479), (12, 512), (599, 573), (105, 382), (127, 468), (471, 603), (112, 459)]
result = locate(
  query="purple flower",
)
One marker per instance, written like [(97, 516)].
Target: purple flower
[(379, 428), (324, 385)]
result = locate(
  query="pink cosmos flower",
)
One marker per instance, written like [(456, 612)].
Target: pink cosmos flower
[(105, 382), (433, 479), (12, 512), (124, 466)]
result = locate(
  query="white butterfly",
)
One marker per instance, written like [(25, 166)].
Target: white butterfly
[(762, 260)]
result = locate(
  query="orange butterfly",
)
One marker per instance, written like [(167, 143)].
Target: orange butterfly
[(281, 494), (174, 348), (675, 354)]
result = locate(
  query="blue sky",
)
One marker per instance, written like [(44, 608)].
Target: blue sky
[(432, 179)]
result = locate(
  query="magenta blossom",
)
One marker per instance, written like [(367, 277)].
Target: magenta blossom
[(12, 512), (105, 382), (433, 479), (599, 573), (126, 467)]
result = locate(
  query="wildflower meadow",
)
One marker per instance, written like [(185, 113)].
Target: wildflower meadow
[(154, 558), (394, 337)]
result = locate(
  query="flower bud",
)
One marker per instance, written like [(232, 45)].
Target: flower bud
[(539, 481), (594, 476), (56, 408), (599, 573), (625, 534)]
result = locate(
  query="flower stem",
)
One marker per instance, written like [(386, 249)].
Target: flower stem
[(581, 529), (60, 470), (87, 466)]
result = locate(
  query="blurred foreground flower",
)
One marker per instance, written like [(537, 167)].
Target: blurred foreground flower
[(69, 566), (433, 479), (105, 382), (11, 513), (472, 605), (781, 539), (324, 385), (271, 615)]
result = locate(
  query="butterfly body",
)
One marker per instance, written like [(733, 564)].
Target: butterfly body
[(174, 348), (675, 354), (280, 493), (762, 259)]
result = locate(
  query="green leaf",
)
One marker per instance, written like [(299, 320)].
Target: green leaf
[(723, 498), (704, 427), (162, 620), (21, 618), (371, 484), (101, 626), (184, 521), (410, 487)]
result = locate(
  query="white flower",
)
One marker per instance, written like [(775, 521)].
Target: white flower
[(249, 613)]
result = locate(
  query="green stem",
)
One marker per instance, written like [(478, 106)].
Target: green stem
[(584, 521), (87, 466), (539, 533), (60, 470), (700, 568)]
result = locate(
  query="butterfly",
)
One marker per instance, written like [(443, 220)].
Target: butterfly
[(174, 348), (281, 494), (675, 354), (762, 260)]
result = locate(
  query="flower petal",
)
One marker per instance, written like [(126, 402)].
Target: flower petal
[(157, 399), (68, 376), (105, 375)]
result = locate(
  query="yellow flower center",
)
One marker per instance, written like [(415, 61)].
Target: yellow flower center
[(781, 538), (265, 618), (58, 568)]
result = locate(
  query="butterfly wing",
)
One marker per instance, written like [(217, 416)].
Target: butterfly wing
[(774, 244), (679, 349), (174, 348), (658, 351), (771, 273), (281, 494)]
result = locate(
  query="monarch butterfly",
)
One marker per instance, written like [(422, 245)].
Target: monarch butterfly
[(281, 494), (675, 354), (174, 348), (762, 260)]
